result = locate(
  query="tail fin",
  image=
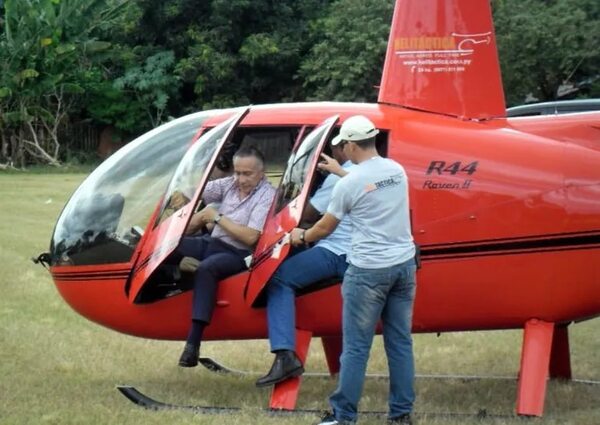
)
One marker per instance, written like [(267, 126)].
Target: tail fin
[(442, 58)]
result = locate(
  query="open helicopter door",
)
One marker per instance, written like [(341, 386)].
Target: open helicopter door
[(273, 246), (179, 203)]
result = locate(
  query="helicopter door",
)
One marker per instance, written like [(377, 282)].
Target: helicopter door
[(179, 203), (273, 247)]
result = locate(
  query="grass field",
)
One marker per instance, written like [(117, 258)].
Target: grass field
[(58, 368)]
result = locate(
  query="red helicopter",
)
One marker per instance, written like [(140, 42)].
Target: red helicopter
[(506, 211)]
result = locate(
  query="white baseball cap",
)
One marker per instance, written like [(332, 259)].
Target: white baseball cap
[(355, 129)]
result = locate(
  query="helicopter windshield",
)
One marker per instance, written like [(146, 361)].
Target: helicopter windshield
[(103, 221)]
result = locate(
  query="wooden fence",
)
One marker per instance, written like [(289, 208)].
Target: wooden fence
[(79, 137)]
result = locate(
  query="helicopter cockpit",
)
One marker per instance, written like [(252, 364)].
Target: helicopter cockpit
[(275, 142), (103, 221)]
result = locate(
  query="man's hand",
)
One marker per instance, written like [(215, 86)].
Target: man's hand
[(331, 165), (208, 214), (201, 219), (295, 236)]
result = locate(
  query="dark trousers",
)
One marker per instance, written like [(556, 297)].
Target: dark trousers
[(218, 261)]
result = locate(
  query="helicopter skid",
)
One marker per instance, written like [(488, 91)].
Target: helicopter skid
[(142, 400)]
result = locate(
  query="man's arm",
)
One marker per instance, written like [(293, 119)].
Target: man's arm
[(214, 190), (331, 165), (196, 223), (310, 214), (337, 209), (244, 234), (317, 206), (321, 229)]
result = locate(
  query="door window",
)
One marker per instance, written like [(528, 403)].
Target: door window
[(291, 197)]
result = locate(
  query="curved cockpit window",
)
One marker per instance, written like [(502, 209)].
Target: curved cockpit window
[(297, 168), (104, 219)]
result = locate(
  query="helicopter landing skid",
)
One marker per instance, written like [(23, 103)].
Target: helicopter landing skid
[(217, 367), (139, 398), (142, 400)]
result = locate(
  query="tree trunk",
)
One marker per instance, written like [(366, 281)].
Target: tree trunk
[(3, 146), (37, 148), (18, 153)]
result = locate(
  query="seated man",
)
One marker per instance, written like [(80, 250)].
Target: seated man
[(327, 259), (245, 199)]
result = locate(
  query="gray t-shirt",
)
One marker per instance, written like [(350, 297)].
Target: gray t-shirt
[(374, 195), (339, 241)]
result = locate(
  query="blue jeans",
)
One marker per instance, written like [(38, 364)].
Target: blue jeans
[(371, 294), (296, 272)]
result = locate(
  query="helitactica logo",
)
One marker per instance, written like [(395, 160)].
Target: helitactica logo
[(439, 54), (391, 181)]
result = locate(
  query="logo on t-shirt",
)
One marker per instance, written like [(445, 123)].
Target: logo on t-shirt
[(381, 184)]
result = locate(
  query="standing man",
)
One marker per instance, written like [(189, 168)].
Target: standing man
[(327, 259), (245, 199), (380, 280)]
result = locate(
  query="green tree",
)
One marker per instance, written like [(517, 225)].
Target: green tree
[(346, 62), (152, 83), (232, 52), (47, 50), (545, 44)]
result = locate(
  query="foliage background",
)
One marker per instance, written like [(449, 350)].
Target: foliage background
[(129, 65)]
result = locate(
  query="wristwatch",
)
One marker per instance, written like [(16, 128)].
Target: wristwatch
[(217, 218), (302, 237)]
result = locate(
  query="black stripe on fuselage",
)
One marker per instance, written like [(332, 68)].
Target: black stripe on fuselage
[(509, 246), (88, 279), (84, 276)]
